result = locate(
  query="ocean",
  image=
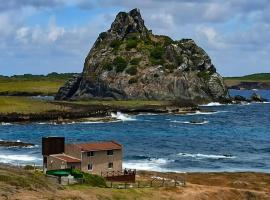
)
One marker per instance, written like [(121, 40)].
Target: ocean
[(230, 138)]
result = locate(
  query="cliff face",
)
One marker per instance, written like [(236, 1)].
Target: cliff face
[(129, 62)]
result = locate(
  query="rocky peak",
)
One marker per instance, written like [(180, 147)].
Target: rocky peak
[(126, 23), (130, 62)]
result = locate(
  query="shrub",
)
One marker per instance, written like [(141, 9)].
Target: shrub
[(132, 80), (156, 75), (131, 44), (170, 67), (132, 70), (29, 167), (107, 66), (157, 52), (135, 61), (120, 64), (115, 44), (94, 180), (103, 35)]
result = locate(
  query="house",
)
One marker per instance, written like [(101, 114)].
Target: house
[(94, 158)]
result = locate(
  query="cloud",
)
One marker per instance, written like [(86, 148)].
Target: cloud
[(233, 33), (18, 4)]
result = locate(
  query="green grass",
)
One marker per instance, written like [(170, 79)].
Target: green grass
[(25, 105), (261, 77), (252, 77), (33, 84), (120, 103), (27, 86)]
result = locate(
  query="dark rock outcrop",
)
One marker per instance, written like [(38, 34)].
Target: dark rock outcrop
[(15, 144), (129, 62), (257, 98)]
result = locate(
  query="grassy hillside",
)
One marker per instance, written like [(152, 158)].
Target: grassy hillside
[(252, 77), (234, 81), (16, 183), (33, 84)]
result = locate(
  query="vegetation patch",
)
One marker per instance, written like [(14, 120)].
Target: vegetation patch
[(120, 64), (133, 80), (131, 44), (115, 44), (132, 70), (107, 66), (135, 61)]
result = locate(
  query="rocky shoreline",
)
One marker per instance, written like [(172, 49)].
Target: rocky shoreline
[(97, 113)]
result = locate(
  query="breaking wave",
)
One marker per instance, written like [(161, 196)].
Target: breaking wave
[(122, 117), (190, 122), (152, 164), (206, 113), (5, 124), (201, 156), (18, 158), (213, 104)]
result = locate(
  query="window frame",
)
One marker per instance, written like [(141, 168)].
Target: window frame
[(90, 154), (92, 167), (109, 165), (108, 154)]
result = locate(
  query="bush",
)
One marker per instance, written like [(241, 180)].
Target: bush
[(170, 67), (115, 44), (131, 44), (132, 70), (135, 61), (29, 167), (132, 80), (120, 64), (94, 180), (157, 52), (107, 66), (103, 35)]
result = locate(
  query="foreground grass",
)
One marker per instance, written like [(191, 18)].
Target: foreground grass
[(26, 105), (120, 103), (16, 183)]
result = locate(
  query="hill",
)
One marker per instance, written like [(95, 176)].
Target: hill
[(130, 62), (252, 81)]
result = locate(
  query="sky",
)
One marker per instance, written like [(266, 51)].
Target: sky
[(43, 36)]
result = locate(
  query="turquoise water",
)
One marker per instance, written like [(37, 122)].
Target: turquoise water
[(232, 138)]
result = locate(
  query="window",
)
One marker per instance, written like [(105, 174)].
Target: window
[(90, 167), (110, 152), (110, 165), (90, 153)]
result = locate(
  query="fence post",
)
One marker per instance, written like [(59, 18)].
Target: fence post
[(163, 182), (125, 185), (111, 184), (138, 184)]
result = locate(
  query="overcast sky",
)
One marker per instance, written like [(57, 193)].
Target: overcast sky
[(42, 36)]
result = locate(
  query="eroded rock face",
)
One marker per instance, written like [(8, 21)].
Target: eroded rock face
[(129, 62)]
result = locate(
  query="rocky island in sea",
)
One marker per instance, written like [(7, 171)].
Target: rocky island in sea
[(130, 62)]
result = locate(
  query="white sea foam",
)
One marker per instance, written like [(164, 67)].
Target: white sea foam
[(193, 123), (5, 124), (122, 117), (17, 158), (205, 113), (153, 164), (201, 156), (213, 104)]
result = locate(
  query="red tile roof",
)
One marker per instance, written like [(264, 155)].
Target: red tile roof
[(67, 158), (99, 146)]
